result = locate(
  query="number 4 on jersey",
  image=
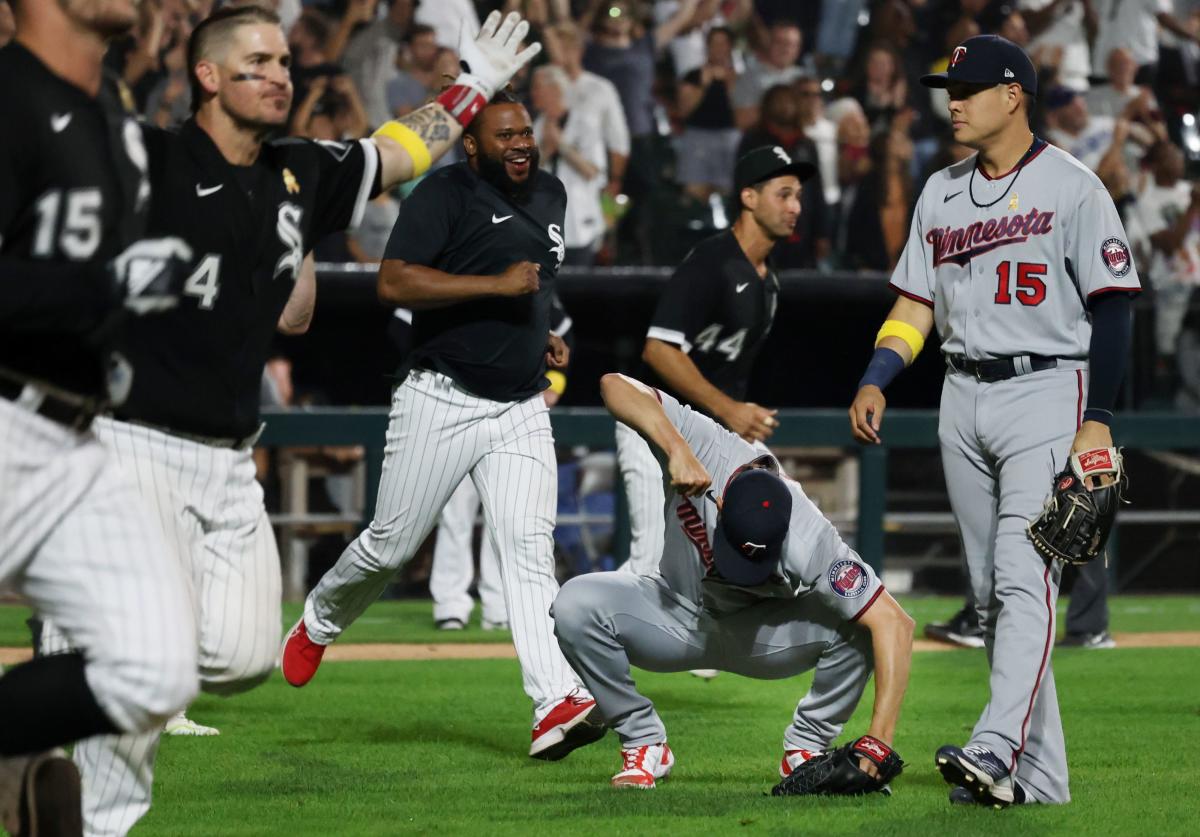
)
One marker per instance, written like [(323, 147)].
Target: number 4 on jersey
[(204, 283), (731, 346), (1031, 289)]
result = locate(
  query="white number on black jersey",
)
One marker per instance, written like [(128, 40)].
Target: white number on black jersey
[(78, 235), (205, 281), (731, 346)]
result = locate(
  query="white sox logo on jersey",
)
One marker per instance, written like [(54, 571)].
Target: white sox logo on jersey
[(287, 227), (959, 246), (560, 247)]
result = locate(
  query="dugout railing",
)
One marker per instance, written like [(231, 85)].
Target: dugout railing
[(593, 428)]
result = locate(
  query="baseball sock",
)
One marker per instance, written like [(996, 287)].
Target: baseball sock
[(48, 703)]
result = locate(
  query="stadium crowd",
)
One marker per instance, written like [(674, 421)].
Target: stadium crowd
[(642, 108)]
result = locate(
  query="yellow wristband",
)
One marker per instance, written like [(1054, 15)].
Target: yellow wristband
[(407, 139), (901, 329), (558, 381)]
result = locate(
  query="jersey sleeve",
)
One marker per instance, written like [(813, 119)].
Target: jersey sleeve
[(686, 305), (1098, 247), (425, 222), (913, 276), (717, 449), (348, 178), (847, 584), (616, 129)]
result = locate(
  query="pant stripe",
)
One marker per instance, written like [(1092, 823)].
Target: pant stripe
[(1041, 669)]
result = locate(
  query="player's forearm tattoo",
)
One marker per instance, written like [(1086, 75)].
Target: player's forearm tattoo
[(431, 123)]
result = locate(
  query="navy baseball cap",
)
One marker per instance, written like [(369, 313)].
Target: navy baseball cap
[(766, 162), (987, 59), (748, 542)]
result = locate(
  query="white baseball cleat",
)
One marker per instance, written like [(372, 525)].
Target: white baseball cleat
[(644, 765), (181, 724), (704, 673)]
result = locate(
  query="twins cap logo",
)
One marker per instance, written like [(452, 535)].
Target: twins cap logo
[(1116, 257), (849, 579), (960, 52), (782, 155)]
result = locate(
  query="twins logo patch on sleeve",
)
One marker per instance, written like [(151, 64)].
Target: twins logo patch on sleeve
[(1116, 257), (848, 579)]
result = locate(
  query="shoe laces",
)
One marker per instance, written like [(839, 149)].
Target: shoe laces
[(576, 699), (633, 758)]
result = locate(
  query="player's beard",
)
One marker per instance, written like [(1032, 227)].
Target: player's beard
[(492, 170), (107, 18)]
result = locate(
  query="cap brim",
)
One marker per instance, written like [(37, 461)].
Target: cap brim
[(940, 81), (802, 170), (735, 568)]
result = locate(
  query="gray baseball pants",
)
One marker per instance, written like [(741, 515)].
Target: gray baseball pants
[(1001, 445), (606, 622)]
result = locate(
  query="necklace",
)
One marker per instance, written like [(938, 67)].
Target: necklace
[(1011, 183)]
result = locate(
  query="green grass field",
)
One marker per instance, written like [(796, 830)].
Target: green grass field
[(440, 748)]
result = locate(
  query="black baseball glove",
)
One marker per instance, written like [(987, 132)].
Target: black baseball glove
[(1081, 508), (837, 773)]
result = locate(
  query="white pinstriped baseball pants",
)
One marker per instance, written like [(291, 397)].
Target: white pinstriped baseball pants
[(454, 562), (438, 435), (77, 541), (210, 508)]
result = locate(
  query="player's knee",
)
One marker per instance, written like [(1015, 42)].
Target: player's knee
[(230, 671), (575, 609), (140, 694)]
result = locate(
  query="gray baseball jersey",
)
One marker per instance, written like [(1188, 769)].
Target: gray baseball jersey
[(815, 559), (1008, 263)]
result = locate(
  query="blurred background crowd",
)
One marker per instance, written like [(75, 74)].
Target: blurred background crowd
[(642, 108)]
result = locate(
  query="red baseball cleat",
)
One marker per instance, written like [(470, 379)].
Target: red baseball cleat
[(300, 656), (793, 759), (643, 765), (567, 727)]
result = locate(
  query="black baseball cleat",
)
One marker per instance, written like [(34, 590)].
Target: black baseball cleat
[(980, 771), (961, 629), (1103, 639), (961, 796)]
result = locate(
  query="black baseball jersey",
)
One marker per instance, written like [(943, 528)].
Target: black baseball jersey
[(199, 366), (458, 223), (73, 194), (718, 311)]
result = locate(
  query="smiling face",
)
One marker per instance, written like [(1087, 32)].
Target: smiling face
[(501, 148), (980, 112), (246, 74)]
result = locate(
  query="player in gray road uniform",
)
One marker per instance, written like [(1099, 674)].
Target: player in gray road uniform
[(1018, 255), (753, 580)]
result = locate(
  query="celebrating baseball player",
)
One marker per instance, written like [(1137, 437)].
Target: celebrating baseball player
[(707, 330), (250, 210), (753, 580), (75, 538), (1018, 255), (474, 254)]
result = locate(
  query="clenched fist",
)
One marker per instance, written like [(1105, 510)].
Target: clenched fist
[(520, 279)]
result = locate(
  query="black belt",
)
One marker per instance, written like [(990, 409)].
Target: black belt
[(1001, 368), (77, 415), (236, 443)]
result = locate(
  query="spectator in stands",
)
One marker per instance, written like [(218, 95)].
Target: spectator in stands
[(779, 124), (571, 140), (367, 241), (1111, 99), (331, 110), (447, 17), (1013, 28), (688, 49), (138, 57), (8, 26), (371, 53), (775, 64), (1072, 128), (858, 242), (837, 34), (307, 41), (170, 101), (1058, 38), (417, 79), (811, 111), (1133, 25), (1165, 227), (707, 145), (594, 100), (625, 55), (881, 89)]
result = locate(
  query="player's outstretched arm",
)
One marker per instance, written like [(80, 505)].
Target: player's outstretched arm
[(891, 640), (297, 314), (898, 343), (750, 421), (632, 402), (409, 145), (417, 287)]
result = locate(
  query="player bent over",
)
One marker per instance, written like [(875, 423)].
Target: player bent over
[(753, 580), (1018, 255)]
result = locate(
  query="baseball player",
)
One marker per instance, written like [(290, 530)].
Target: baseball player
[(1018, 256), (453, 567), (474, 254), (75, 538), (753, 580), (707, 330), (250, 210)]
